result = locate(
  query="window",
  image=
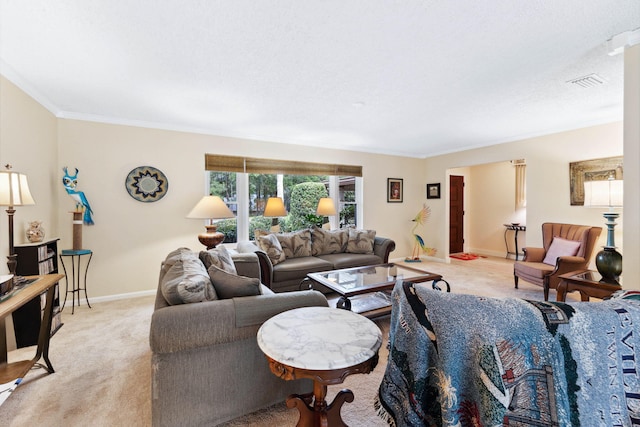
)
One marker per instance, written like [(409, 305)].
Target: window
[(246, 184)]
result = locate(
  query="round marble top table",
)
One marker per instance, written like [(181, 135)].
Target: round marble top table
[(324, 344)]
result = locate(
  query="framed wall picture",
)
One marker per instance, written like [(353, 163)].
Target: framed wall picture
[(433, 191), (591, 170), (394, 190)]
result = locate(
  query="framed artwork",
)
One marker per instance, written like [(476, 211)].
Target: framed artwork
[(433, 191), (591, 170), (394, 190)]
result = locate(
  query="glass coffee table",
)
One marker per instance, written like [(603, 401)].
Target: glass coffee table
[(367, 290)]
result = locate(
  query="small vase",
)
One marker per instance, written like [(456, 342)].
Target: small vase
[(35, 232)]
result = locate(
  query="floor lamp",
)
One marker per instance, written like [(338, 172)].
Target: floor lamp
[(14, 191)]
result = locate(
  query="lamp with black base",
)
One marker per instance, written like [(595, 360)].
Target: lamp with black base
[(609, 194)]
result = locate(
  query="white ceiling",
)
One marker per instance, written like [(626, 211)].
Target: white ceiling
[(406, 77)]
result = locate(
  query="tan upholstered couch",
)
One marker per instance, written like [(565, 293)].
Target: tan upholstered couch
[(206, 366), (287, 275)]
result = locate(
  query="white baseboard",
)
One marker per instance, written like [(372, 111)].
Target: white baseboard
[(116, 297), (424, 257)]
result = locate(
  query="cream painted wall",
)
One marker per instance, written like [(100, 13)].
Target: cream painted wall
[(28, 143), (490, 197), (548, 159), (131, 238)]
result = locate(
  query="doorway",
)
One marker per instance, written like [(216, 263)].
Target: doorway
[(456, 214)]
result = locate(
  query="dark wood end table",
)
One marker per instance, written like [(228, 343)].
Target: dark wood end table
[(588, 282)]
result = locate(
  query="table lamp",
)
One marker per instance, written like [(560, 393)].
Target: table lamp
[(211, 208), (274, 209), (607, 194), (14, 191), (326, 208)]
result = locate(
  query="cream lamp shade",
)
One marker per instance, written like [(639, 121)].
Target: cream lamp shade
[(211, 208), (598, 194), (274, 209), (14, 191), (326, 207)]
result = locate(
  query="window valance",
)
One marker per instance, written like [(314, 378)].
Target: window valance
[(215, 162)]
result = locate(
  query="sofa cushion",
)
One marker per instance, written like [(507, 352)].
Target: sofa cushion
[(295, 244), (185, 280), (270, 244), (218, 257), (298, 268), (361, 241), (348, 260), (229, 285), (561, 247), (325, 242)]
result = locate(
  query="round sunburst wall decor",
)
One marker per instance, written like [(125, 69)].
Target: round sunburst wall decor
[(146, 184)]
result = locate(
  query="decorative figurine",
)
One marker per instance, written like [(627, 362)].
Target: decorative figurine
[(82, 204), (420, 219), (35, 232)]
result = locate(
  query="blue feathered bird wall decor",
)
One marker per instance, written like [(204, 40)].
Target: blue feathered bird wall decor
[(70, 183)]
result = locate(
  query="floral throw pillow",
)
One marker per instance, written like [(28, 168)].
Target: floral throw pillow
[(324, 242), (270, 244), (361, 241), (218, 257), (186, 280), (295, 244)]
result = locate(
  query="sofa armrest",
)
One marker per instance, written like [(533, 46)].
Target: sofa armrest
[(533, 254), (247, 264), (266, 267), (256, 310), (197, 325), (383, 246), (189, 326)]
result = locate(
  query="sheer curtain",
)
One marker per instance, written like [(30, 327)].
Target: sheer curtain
[(521, 184)]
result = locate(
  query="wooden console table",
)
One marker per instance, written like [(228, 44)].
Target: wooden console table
[(11, 302), (515, 228)]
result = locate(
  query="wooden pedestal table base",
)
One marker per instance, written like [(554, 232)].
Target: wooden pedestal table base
[(325, 345), (313, 407)]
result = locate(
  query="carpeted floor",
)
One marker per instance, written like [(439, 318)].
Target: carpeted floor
[(102, 361)]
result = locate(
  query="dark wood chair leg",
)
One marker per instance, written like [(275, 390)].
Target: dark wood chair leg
[(515, 280)]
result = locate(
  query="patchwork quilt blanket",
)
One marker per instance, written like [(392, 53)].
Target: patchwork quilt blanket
[(465, 360)]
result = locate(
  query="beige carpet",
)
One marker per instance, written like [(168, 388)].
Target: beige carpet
[(102, 361)]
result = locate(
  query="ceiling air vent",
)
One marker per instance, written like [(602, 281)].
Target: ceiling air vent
[(592, 80)]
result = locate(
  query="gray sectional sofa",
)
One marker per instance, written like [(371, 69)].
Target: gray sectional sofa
[(313, 250), (206, 365)]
